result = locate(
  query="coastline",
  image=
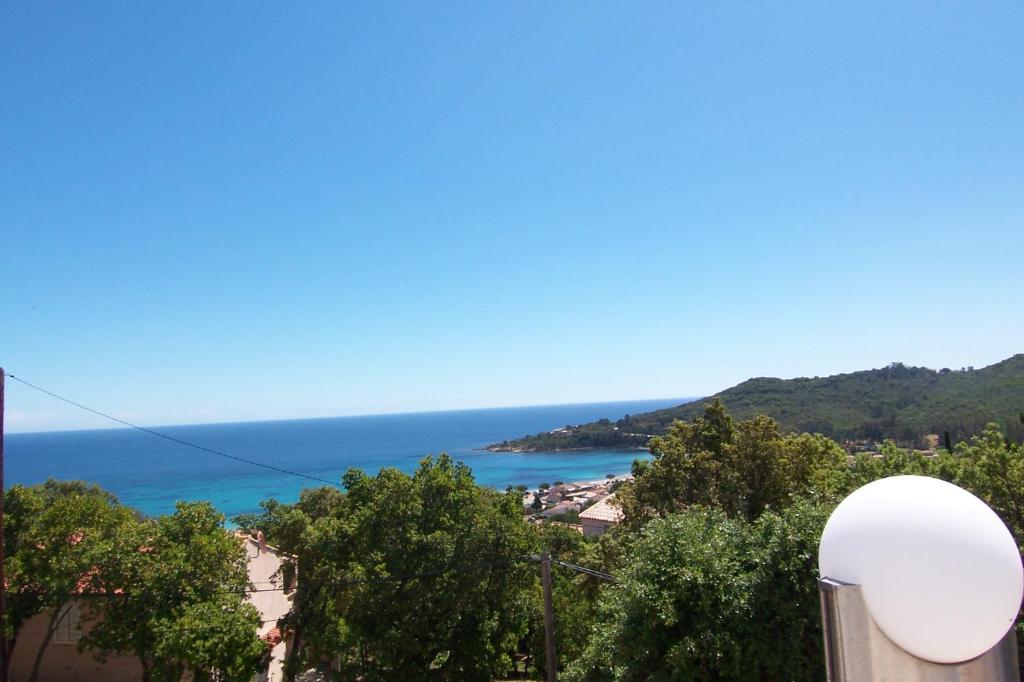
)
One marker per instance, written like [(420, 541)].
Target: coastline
[(604, 448), (600, 482), (152, 474)]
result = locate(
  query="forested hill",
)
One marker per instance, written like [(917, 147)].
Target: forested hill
[(897, 402)]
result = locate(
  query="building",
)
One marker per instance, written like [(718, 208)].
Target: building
[(589, 496), (271, 597), (600, 517), (553, 496), (63, 662), (561, 508)]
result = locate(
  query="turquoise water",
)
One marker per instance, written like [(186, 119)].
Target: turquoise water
[(151, 474)]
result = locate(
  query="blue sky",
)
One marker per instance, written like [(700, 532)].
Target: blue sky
[(248, 211)]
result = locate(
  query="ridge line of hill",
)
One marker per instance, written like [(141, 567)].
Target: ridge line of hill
[(909, 405)]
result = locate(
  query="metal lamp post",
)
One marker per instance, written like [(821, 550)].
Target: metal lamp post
[(857, 650), (921, 582)]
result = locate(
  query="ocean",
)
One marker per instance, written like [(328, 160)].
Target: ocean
[(151, 473)]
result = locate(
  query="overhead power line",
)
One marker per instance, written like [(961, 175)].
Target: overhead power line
[(172, 439), (584, 569), (204, 628), (574, 567)]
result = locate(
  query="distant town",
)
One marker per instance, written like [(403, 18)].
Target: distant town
[(588, 507)]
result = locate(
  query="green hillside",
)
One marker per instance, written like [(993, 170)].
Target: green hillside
[(896, 402)]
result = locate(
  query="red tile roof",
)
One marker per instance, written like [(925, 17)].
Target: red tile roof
[(604, 510)]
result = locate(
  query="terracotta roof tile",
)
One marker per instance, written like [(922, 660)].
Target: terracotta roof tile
[(604, 511)]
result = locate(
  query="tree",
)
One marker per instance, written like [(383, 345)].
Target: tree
[(781, 555), (700, 592), (993, 469), (686, 468), (681, 561), (212, 638), (164, 578), (414, 577), (55, 533), (742, 468)]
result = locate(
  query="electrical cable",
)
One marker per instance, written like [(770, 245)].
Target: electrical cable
[(341, 583), (588, 571), (172, 439)]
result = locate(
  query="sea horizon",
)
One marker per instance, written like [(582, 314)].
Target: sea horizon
[(273, 420), (151, 473)]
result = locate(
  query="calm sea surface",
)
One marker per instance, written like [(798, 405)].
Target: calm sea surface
[(151, 474)]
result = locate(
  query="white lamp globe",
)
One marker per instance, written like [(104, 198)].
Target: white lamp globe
[(940, 573)]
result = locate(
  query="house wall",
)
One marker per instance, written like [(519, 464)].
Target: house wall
[(272, 603), (592, 527), (63, 662)]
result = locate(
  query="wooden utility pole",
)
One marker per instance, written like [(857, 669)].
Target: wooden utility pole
[(549, 616), (3, 579)]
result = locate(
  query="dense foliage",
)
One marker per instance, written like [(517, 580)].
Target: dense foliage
[(707, 597), (169, 590), (896, 402), (741, 468), (409, 577)]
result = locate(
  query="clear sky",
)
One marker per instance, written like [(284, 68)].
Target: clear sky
[(216, 211)]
